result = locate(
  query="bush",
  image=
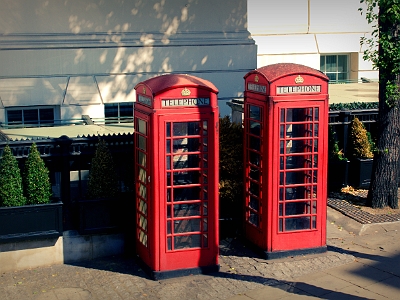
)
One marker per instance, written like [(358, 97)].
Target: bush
[(230, 168), (335, 153), (360, 142), (102, 176), (36, 181), (11, 190)]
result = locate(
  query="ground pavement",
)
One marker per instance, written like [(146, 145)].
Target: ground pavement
[(362, 262)]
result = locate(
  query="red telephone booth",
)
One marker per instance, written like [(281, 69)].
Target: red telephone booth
[(176, 172), (285, 144)]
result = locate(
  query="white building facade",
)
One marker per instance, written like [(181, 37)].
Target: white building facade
[(322, 34), (60, 59)]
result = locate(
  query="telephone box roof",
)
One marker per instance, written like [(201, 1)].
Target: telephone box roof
[(161, 83), (276, 71)]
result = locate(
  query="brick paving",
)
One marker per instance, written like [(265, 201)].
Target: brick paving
[(121, 278)]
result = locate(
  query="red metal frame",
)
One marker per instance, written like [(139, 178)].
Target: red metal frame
[(182, 115), (286, 136)]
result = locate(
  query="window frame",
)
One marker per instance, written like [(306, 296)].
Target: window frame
[(336, 72), (23, 122)]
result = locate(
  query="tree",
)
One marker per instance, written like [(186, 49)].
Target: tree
[(103, 181), (383, 50), (11, 191), (36, 181)]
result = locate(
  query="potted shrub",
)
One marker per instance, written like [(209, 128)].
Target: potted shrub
[(29, 216), (361, 155), (100, 211), (338, 164)]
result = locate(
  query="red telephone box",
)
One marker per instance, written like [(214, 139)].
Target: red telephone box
[(176, 172), (285, 145)]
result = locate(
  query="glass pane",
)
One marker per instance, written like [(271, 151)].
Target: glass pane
[(316, 115), (141, 126), (189, 177), (14, 116), (298, 162), (46, 115), (298, 130), (314, 222), (141, 158), (185, 194), (142, 175), (141, 142), (255, 143), (298, 146), (205, 224), (298, 115), (297, 208), (168, 162), (187, 241), (143, 237), (186, 161), (142, 191), (143, 207), (168, 130), (169, 243), (186, 145), (331, 63), (298, 177), (186, 128), (187, 210), (254, 173), (205, 208), (255, 158), (126, 109), (111, 110), (169, 228), (254, 188), (255, 128), (31, 116), (300, 192), (255, 112), (143, 222), (297, 223), (254, 203), (253, 218), (322, 63), (187, 225), (342, 64), (205, 240), (314, 207)]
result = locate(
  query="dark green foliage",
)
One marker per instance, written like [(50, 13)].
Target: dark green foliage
[(102, 176), (335, 153), (360, 146), (11, 191), (37, 186), (353, 106), (230, 168)]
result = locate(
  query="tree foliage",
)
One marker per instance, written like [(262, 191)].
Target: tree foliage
[(103, 181), (36, 181), (383, 50), (11, 190)]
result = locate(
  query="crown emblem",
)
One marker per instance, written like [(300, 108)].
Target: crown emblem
[(256, 78), (185, 92), (299, 80), (144, 90)]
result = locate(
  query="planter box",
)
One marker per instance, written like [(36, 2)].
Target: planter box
[(338, 174), (98, 216), (30, 222), (361, 173)]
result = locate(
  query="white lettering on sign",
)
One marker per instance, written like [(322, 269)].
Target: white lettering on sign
[(185, 102), (298, 89), (144, 100), (257, 88)]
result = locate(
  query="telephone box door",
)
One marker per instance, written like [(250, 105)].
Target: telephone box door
[(186, 225), (298, 188), (143, 188)]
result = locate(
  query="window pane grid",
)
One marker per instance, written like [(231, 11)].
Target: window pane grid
[(186, 176), (253, 146), (298, 171), (335, 67)]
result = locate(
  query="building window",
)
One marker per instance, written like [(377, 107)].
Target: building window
[(118, 112), (30, 116), (336, 67)]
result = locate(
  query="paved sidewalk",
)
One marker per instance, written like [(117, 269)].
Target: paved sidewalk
[(363, 262)]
